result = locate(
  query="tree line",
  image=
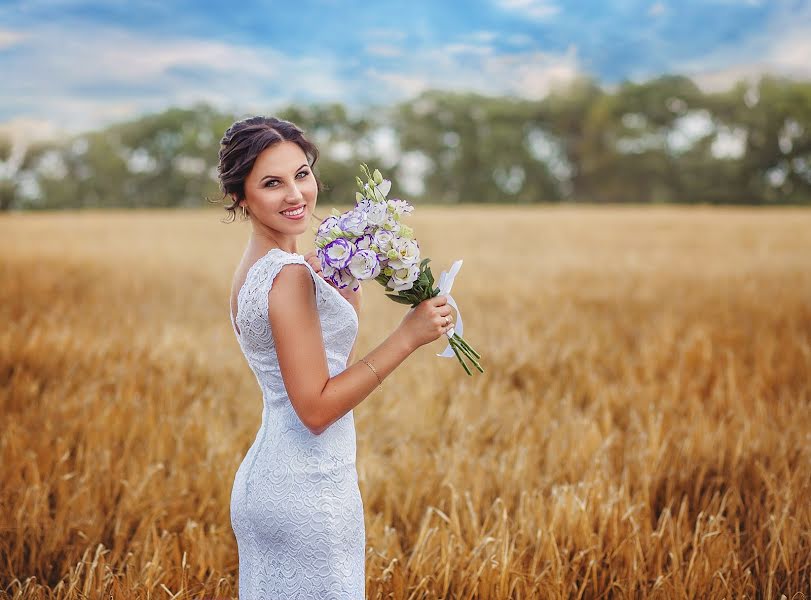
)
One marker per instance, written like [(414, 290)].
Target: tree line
[(659, 141)]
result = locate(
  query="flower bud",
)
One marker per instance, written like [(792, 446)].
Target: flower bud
[(378, 177)]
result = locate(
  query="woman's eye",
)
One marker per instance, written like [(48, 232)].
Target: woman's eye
[(275, 181)]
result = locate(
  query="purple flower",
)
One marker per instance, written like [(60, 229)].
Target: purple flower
[(338, 253), (343, 279), (353, 222), (364, 241), (327, 224), (364, 265)]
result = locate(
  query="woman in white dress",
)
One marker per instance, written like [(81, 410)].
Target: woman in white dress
[(296, 509)]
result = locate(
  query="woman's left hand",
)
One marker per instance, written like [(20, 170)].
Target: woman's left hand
[(354, 298)]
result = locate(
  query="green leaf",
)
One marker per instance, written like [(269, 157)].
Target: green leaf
[(399, 299)]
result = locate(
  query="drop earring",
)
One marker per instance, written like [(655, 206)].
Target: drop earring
[(244, 216)]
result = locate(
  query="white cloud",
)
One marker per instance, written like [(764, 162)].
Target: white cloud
[(782, 48), (408, 85), (538, 10), (383, 33), (530, 74), (518, 39), (657, 9), (386, 50), (26, 130), (106, 74), (462, 48), (9, 38), (480, 36), (101, 75)]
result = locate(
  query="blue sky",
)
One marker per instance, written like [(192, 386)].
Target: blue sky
[(72, 65)]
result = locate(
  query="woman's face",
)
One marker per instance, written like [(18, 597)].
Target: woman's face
[(281, 180)]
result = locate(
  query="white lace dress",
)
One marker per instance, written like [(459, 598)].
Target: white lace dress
[(296, 508)]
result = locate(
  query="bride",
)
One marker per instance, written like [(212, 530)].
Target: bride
[(296, 509)]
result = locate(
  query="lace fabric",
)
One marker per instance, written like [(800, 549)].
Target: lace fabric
[(296, 509)]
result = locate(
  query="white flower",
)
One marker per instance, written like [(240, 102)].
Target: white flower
[(353, 222), (383, 240), (399, 207), (391, 224), (327, 224), (403, 279), (408, 253), (377, 214), (363, 205), (364, 265), (343, 279), (377, 193), (363, 242), (338, 253)]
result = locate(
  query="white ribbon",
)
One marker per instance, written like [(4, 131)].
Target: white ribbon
[(445, 285)]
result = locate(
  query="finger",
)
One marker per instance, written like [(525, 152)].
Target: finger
[(440, 300)]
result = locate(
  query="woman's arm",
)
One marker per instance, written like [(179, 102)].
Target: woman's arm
[(318, 399)]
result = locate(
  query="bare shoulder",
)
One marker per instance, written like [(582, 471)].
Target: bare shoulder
[(293, 279), (293, 290)]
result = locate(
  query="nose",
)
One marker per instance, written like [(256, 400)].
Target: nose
[(295, 196)]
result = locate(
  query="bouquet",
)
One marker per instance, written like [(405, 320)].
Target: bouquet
[(370, 242)]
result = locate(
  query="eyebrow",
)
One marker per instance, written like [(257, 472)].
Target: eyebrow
[(274, 176)]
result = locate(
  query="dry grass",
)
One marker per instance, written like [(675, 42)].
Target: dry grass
[(642, 429)]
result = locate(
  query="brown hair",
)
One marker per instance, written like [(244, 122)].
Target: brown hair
[(243, 142)]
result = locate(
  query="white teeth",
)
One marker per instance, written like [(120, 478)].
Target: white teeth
[(295, 212)]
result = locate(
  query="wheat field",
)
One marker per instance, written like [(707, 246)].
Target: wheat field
[(642, 428)]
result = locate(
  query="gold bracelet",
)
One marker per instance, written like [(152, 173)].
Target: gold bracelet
[(373, 370)]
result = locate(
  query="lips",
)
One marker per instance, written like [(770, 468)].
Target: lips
[(299, 217), (293, 209)]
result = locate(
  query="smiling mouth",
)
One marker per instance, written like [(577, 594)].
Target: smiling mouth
[(293, 212)]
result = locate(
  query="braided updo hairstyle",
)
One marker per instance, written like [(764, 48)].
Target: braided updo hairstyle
[(243, 142)]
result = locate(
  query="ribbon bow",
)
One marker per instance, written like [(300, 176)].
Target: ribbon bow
[(445, 284)]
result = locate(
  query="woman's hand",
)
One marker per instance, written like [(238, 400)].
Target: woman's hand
[(428, 321), (354, 298)]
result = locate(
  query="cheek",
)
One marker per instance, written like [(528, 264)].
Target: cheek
[(311, 187)]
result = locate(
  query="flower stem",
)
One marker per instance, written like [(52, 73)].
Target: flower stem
[(466, 345), (461, 362), (470, 356)]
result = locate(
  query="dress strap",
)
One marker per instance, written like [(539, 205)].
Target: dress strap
[(253, 299)]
